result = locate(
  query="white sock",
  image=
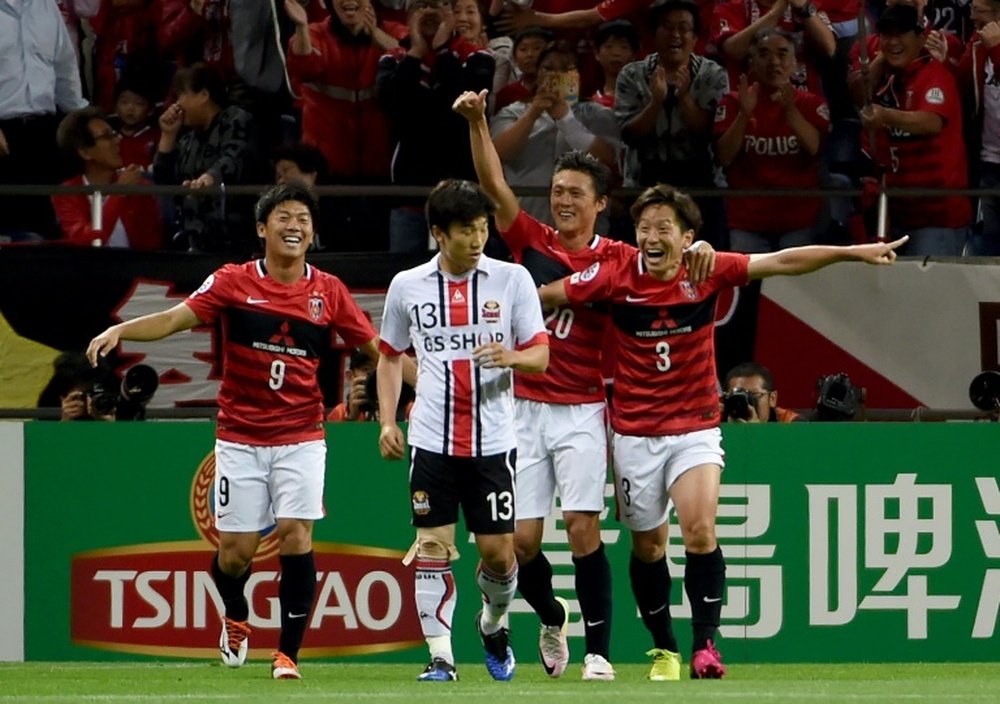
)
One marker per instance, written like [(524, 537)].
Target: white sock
[(498, 591)]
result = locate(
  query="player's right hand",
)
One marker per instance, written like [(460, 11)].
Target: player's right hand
[(471, 105), (391, 443), (101, 345)]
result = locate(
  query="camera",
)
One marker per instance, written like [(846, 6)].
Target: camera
[(839, 399), (737, 404), (984, 391), (370, 406), (126, 401)]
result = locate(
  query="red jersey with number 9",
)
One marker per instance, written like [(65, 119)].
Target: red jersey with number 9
[(272, 337)]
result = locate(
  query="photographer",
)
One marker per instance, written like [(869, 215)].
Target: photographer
[(71, 389), (750, 397), (362, 397)]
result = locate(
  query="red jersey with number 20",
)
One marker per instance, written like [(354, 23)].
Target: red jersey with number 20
[(576, 333), (665, 380), (272, 337)]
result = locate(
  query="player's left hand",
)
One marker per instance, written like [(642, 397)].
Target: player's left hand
[(880, 252), (492, 355), (699, 259), (391, 442)]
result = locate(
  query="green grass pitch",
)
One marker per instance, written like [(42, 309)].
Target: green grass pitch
[(193, 683)]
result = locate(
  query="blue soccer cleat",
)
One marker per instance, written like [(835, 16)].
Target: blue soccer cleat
[(438, 670), (500, 660)]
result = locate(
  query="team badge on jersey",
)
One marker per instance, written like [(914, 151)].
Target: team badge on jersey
[(935, 96), (491, 312), (587, 274), (205, 285), (421, 503), (316, 308), (689, 290)]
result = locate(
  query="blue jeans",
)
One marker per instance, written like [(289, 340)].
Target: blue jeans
[(761, 242), (934, 241), (984, 239)]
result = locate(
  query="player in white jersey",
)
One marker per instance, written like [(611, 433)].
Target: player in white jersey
[(472, 320)]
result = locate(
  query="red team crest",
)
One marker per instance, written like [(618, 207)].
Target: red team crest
[(316, 308), (689, 290)]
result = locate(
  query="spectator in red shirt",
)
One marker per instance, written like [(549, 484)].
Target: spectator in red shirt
[(917, 120), (126, 221), (133, 120), (770, 135), (616, 44), (528, 46), (738, 21)]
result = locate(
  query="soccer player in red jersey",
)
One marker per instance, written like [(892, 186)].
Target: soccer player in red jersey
[(278, 314), (560, 414), (665, 409), (472, 320)]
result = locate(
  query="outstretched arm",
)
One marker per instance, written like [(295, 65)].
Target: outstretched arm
[(489, 170), (149, 327), (803, 260), (553, 294)]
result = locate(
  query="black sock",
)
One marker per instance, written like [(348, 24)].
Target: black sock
[(651, 587), (704, 580), (534, 582), (296, 592), (593, 589), (231, 591)]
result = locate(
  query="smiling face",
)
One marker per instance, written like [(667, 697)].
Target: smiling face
[(468, 20), (288, 232), (675, 37), (772, 61), (106, 150), (349, 12), (900, 48), (662, 239), (462, 244), (574, 203)]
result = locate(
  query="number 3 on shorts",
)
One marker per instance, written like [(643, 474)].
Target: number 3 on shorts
[(501, 505)]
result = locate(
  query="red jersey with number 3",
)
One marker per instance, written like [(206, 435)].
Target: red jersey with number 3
[(272, 337), (665, 379), (576, 333)]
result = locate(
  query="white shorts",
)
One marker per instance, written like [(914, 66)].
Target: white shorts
[(646, 468), (564, 446), (256, 484)]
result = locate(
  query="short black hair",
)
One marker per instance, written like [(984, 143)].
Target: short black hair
[(764, 34), (748, 369), (198, 77), (584, 162), (74, 130), (456, 200), (617, 29), (277, 195), (529, 32), (656, 12), (141, 86), (663, 194), (308, 158), (899, 18)]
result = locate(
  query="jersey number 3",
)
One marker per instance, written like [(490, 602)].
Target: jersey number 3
[(663, 356)]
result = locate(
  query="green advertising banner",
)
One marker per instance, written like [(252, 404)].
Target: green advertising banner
[(843, 542)]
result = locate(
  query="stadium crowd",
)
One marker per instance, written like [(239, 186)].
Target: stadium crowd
[(705, 95)]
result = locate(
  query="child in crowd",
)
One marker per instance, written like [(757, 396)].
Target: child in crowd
[(133, 120), (528, 44), (616, 43)]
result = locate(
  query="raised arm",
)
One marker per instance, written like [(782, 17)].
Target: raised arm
[(489, 170), (149, 327), (553, 294), (803, 260)]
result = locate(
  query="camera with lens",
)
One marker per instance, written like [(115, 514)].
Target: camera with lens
[(126, 400), (370, 405), (737, 404), (984, 392), (839, 399)]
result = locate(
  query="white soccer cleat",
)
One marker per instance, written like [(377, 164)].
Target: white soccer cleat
[(234, 643), (596, 667), (282, 667), (553, 646)]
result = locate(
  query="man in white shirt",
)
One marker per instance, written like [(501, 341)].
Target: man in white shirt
[(472, 320)]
